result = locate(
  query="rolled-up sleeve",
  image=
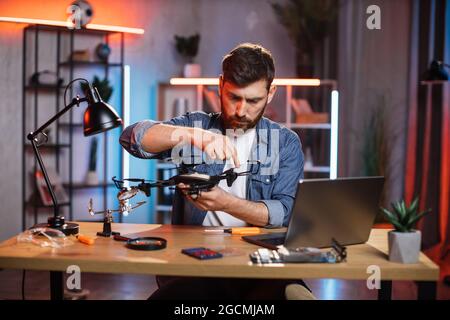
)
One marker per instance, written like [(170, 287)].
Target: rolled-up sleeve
[(131, 137), (290, 172)]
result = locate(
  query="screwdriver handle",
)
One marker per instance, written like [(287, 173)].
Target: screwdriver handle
[(245, 230), (86, 239)]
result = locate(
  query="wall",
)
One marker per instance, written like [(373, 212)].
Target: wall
[(152, 59), (373, 63)]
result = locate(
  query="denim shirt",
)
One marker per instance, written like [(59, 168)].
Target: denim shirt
[(275, 184)]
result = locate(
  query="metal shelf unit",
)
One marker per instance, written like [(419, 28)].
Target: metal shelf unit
[(32, 32)]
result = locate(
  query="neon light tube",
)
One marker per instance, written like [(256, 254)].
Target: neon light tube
[(334, 133), (215, 81), (126, 120), (58, 23)]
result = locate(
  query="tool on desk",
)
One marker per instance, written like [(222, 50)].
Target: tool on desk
[(338, 253), (85, 239), (237, 230), (45, 237), (124, 208), (147, 243), (202, 253), (118, 237)]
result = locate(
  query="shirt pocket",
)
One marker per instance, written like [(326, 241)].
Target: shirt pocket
[(262, 186)]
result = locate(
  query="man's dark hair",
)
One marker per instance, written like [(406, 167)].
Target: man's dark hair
[(248, 63)]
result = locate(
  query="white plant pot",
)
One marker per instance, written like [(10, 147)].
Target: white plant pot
[(404, 247), (92, 178), (192, 70)]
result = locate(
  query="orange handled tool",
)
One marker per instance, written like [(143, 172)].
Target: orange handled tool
[(86, 239), (243, 230)]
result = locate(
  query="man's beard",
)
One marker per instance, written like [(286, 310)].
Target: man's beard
[(232, 122)]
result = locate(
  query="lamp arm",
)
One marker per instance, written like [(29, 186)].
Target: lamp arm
[(47, 180), (75, 101), (32, 137)]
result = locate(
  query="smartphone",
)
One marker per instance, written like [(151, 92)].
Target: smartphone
[(202, 253)]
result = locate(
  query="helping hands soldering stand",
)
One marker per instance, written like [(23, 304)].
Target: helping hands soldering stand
[(124, 208)]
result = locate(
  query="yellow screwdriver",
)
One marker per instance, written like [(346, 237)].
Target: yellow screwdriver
[(243, 230)]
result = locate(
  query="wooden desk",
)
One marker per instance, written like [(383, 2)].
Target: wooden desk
[(109, 256)]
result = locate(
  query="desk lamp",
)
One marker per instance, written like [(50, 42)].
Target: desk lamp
[(98, 117)]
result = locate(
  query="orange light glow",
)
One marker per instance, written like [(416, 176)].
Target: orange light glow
[(215, 81), (195, 81), (296, 82), (67, 24)]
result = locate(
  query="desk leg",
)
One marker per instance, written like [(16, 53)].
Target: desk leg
[(385, 291), (56, 285), (426, 290)]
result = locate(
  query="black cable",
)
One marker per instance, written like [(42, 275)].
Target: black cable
[(23, 284), (68, 86)]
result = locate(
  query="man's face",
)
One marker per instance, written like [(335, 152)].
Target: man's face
[(242, 107)]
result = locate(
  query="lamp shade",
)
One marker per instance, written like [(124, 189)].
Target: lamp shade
[(99, 117)]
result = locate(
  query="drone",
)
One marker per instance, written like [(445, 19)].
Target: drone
[(196, 183)]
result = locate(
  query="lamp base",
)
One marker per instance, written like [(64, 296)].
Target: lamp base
[(59, 224)]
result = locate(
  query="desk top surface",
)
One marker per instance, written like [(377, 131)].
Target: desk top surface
[(109, 256)]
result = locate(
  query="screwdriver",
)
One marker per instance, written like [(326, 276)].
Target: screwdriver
[(238, 230)]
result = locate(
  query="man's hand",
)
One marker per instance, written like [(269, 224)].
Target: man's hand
[(216, 146), (254, 213), (162, 137), (214, 200)]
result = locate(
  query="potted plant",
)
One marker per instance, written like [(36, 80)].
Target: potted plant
[(308, 23), (187, 47), (91, 176), (404, 241)]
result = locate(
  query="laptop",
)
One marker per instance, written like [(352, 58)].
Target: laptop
[(343, 208)]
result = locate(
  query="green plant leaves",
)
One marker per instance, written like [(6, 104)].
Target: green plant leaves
[(187, 46), (392, 219), (307, 22), (413, 206), (404, 218)]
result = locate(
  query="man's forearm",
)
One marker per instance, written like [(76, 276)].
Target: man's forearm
[(255, 213), (162, 137)]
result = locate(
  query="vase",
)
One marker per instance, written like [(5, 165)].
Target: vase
[(404, 247), (192, 70)]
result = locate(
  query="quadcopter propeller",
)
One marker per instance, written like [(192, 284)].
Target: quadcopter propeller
[(119, 183), (140, 203)]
